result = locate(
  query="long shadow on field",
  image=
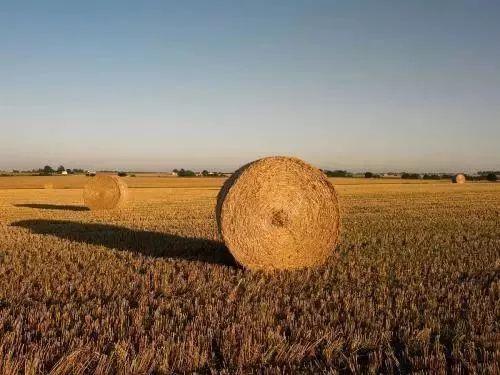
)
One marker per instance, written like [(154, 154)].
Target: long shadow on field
[(53, 207), (153, 244)]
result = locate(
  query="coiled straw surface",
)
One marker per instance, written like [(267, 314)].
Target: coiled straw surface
[(458, 179), (278, 213), (105, 192)]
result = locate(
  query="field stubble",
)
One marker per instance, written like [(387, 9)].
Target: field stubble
[(149, 288)]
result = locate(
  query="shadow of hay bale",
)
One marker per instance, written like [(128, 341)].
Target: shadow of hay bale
[(153, 244), (53, 207)]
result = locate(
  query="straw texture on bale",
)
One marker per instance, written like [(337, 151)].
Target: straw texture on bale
[(278, 213), (105, 192), (458, 179)]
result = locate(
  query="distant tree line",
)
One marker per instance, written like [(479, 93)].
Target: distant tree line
[(206, 173), (481, 176), (184, 172), (486, 173), (430, 176), (410, 176), (371, 175), (337, 173), (485, 176), (489, 175), (48, 170), (189, 173), (492, 176)]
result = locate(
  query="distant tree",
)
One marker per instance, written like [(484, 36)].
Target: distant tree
[(61, 169), (205, 173), (410, 176), (48, 169), (69, 171), (122, 174), (368, 175), (175, 170), (337, 173), (431, 177), (491, 177), (15, 171), (185, 173), (486, 173)]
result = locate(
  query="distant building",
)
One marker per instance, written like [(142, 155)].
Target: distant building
[(175, 174), (64, 172), (90, 173)]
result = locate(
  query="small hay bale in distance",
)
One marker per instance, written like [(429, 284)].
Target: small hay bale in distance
[(105, 192), (278, 213), (458, 179)]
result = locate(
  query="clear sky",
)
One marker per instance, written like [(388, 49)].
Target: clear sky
[(153, 85)]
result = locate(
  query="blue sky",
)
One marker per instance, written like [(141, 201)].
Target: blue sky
[(153, 85)]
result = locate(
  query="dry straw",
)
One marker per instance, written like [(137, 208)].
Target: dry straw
[(278, 213), (105, 192), (458, 179)]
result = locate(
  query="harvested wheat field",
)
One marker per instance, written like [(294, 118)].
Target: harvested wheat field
[(149, 288)]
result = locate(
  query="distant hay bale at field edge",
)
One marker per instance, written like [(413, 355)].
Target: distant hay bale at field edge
[(105, 192), (458, 179), (278, 213)]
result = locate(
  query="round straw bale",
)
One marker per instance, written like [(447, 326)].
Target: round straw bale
[(105, 192), (458, 179), (278, 213)]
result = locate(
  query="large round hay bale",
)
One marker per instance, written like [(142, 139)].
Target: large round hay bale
[(105, 192), (458, 179), (278, 213)]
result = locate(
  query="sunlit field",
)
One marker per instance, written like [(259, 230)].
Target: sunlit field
[(148, 288), (167, 181)]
